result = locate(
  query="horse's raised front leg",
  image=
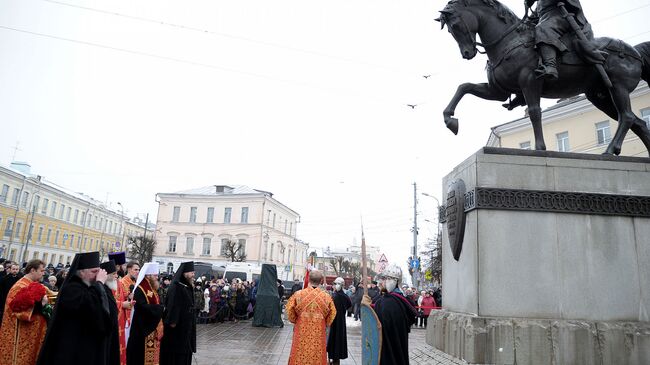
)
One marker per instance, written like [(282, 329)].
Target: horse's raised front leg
[(532, 93), (483, 91)]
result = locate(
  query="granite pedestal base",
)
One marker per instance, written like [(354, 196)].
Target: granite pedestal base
[(555, 262)]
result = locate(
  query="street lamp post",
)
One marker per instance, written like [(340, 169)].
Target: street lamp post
[(122, 245), (438, 233)]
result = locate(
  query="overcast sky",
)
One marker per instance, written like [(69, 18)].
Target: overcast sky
[(123, 99)]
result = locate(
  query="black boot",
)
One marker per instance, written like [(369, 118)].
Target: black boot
[(548, 68)]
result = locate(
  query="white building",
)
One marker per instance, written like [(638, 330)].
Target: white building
[(196, 224)]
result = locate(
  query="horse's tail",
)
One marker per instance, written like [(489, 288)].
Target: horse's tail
[(644, 51)]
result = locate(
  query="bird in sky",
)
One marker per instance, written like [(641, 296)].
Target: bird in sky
[(426, 76), (412, 105)]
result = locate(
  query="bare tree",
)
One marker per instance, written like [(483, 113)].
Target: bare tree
[(432, 259), (141, 248), (337, 264), (234, 251)]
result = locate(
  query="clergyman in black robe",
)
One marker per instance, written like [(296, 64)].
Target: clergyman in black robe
[(6, 283), (142, 346), (179, 336), (112, 335), (267, 304), (397, 316), (337, 341), (79, 326)]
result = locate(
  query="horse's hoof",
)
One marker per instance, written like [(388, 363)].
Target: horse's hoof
[(452, 124)]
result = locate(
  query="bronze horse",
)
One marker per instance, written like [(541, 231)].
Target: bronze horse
[(509, 44)]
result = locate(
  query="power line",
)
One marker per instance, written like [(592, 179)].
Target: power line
[(621, 13), (221, 34), (193, 63)]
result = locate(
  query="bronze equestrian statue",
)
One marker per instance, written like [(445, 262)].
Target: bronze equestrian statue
[(550, 54)]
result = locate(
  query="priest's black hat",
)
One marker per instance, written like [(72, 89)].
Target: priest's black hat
[(182, 269), (187, 266), (109, 266), (118, 257), (87, 260)]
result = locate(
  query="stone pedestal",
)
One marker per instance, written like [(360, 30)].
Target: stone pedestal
[(555, 261)]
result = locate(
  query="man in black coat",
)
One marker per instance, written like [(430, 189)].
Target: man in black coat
[(112, 335), (7, 282), (79, 326), (337, 341), (179, 337), (396, 315)]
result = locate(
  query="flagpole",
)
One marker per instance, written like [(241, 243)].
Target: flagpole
[(364, 269)]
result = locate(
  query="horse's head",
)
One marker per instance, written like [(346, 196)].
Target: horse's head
[(463, 26)]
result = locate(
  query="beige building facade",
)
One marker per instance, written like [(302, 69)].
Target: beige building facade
[(575, 125), (196, 224), (40, 219)]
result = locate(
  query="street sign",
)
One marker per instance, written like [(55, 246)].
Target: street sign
[(287, 268), (117, 245), (65, 236)]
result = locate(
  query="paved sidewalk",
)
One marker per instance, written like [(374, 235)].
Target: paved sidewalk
[(242, 344)]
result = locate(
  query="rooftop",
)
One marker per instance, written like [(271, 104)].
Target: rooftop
[(223, 190)]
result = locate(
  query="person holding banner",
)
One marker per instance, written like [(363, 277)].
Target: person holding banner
[(143, 338)]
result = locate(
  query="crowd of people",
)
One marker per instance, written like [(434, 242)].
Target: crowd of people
[(96, 313), (120, 313)]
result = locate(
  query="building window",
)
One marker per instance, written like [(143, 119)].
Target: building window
[(176, 214), (89, 221), (76, 216), (15, 197), (67, 214), (170, 268), (525, 145), (53, 211), (192, 214), (49, 235), (79, 242), (244, 215), (37, 201), (40, 234), (603, 132), (563, 141), (62, 211), (19, 225), (83, 219), (241, 246), (4, 193), (210, 218), (189, 245), (71, 240), (110, 226), (645, 115), (46, 203), (56, 238), (172, 244), (9, 227), (285, 226), (226, 215), (207, 242), (25, 199), (224, 246), (273, 220)]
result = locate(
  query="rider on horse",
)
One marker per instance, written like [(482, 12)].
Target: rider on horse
[(550, 29)]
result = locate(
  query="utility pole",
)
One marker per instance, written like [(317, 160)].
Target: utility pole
[(415, 235), (29, 235), (13, 223)]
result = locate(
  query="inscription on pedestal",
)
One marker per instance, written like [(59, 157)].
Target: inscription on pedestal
[(455, 216)]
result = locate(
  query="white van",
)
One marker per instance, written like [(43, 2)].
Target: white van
[(243, 271)]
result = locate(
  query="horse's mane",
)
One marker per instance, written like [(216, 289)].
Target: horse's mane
[(503, 12)]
